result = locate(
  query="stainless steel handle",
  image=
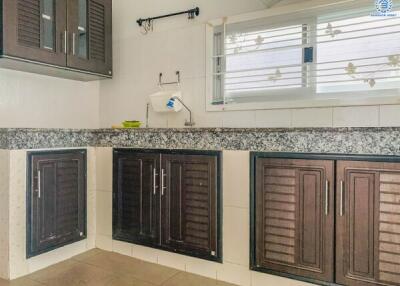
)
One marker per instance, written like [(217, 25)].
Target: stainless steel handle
[(341, 198), (39, 185), (65, 42), (154, 181), (163, 175), (73, 44), (326, 197)]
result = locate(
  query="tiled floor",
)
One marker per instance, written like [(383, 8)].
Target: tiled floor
[(100, 268)]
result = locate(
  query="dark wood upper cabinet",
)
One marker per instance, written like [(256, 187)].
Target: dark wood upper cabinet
[(294, 217), (189, 197), (90, 27), (168, 200), (56, 200), (34, 30), (136, 197), (65, 38), (368, 223)]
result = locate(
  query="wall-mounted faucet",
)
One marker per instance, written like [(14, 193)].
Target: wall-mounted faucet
[(170, 104)]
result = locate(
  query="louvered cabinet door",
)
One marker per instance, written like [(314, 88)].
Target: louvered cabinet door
[(35, 30), (189, 203), (294, 204), (90, 35), (56, 201), (368, 223), (136, 211)]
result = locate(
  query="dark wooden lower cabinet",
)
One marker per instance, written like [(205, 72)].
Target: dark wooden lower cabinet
[(168, 200), (368, 223), (56, 200), (189, 199), (294, 217), (136, 197), (301, 213)]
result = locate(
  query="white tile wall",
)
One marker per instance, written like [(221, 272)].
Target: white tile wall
[(25, 100), (180, 45), (4, 213), (236, 235), (389, 115), (236, 178), (363, 116), (312, 117), (273, 118)]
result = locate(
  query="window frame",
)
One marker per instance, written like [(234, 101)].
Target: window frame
[(308, 13)]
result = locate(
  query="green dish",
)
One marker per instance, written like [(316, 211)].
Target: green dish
[(131, 124)]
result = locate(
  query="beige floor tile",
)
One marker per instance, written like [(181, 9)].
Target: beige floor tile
[(81, 274), (185, 279), (117, 263), (126, 280), (101, 268), (52, 271), (87, 254), (20, 282)]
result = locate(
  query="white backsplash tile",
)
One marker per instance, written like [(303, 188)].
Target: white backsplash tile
[(361, 116), (312, 117), (389, 115), (273, 118), (239, 119)]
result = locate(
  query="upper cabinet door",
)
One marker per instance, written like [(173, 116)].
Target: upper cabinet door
[(35, 30), (56, 200), (136, 213), (368, 223), (90, 35), (294, 223), (189, 200)]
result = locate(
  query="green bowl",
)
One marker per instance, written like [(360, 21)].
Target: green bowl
[(131, 124)]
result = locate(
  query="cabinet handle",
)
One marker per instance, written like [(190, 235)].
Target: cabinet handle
[(39, 185), (163, 175), (154, 181), (65, 42), (73, 44), (341, 198), (326, 197)]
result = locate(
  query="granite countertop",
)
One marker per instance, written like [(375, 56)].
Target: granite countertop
[(382, 141)]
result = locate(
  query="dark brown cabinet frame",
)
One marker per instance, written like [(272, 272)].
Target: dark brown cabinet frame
[(218, 155), (303, 156), (30, 155), (62, 60)]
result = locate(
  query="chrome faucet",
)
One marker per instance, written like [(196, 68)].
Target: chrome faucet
[(189, 123)]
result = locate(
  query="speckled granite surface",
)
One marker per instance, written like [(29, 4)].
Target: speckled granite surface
[(382, 141)]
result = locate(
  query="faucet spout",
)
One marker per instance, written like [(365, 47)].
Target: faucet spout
[(189, 123)]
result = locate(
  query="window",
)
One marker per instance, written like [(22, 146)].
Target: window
[(314, 60)]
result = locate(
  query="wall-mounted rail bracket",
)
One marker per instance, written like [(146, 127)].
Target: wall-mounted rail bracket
[(178, 74), (192, 13)]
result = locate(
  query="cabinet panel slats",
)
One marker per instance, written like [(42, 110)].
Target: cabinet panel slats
[(389, 228), (293, 234), (28, 21), (97, 31)]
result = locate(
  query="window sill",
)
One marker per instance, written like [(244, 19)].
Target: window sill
[(306, 103)]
